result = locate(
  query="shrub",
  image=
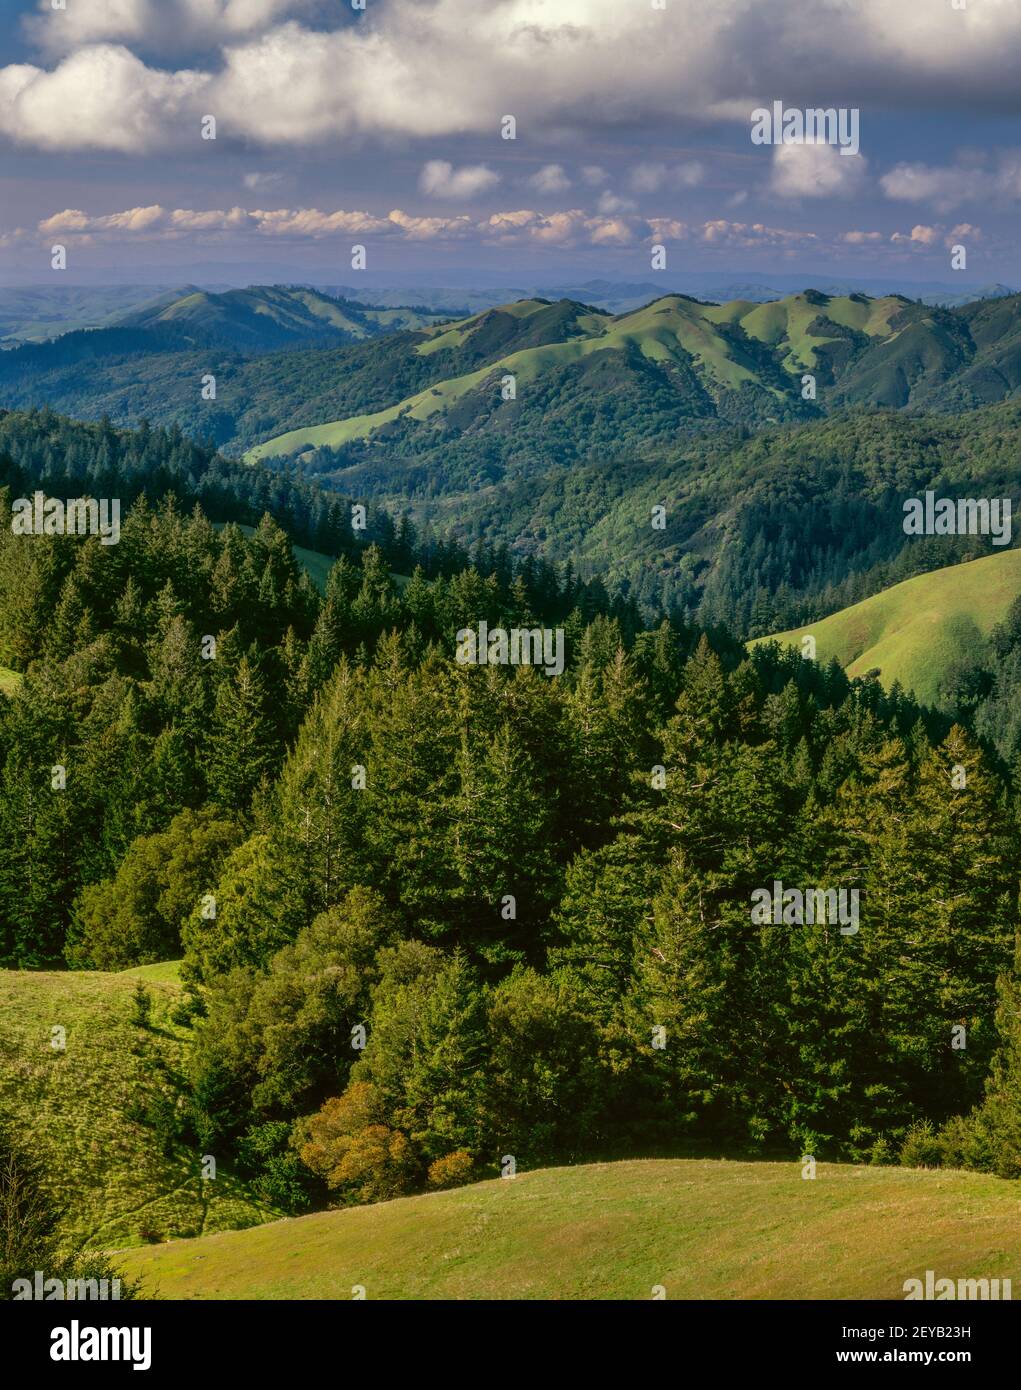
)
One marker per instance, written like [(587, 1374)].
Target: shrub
[(356, 1154), (141, 1006), (277, 1174), (452, 1170), (922, 1147), (187, 1009)]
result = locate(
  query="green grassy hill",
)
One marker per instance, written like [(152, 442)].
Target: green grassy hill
[(73, 1107), (710, 356), (392, 384), (270, 316), (916, 631), (699, 1228)]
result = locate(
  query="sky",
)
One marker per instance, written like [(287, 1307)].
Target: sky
[(384, 126)]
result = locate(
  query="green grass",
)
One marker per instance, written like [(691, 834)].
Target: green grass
[(918, 630), (69, 1107), (9, 680), (670, 329), (700, 1228), (165, 971), (673, 329)]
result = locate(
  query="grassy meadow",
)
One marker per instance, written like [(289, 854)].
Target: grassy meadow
[(72, 1106), (916, 631), (700, 1228)]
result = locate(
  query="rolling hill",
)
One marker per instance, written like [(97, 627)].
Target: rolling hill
[(263, 318), (38, 313), (78, 1106), (741, 359), (678, 360), (919, 630), (386, 387), (698, 1229)]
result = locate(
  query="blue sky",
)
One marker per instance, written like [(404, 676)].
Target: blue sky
[(383, 127)]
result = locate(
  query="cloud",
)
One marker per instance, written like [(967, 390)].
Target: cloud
[(667, 229), (528, 225), (263, 183), (431, 228), (927, 237), (565, 229), (450, 68), (439, 179), (651, 177), (609, 204), (947, 188), (550, 179), (160, 222), (816, 171), (594, 175), (100, 98), (310, 222), (160, 26), (920, 235), (720, 232), (569, 227)]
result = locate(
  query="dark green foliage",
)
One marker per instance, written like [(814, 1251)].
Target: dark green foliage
[(141, 1006), (436, 914)]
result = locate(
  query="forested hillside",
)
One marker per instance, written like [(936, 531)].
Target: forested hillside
[(760, 533), (586, 380), (435, 914)]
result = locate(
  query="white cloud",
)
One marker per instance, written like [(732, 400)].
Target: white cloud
[(927, 237), (528, 225), (164, 26), (610, 204), (263, 183), (920, 235), (609, 231), (431, 228), (99, 98), (720, 232), (439, 179), (652, 177), (567, 228), (453, 67), (816, 171), (550, 179), (667, 229), (156, 222), (594, 175), (946, 188), (160, 222)]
